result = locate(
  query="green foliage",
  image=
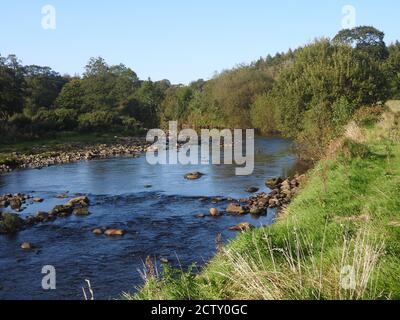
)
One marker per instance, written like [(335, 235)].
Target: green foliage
[(175, 106), (71, 95), (98, 121), (308, 94), (11, 86), (320, 91), (367, 39), (263, 115), (43, 86), (392, 69), (54, 119)]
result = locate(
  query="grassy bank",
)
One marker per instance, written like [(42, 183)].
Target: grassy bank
[(339, 238)]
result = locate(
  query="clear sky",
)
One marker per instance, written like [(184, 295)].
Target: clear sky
[(181, 40)]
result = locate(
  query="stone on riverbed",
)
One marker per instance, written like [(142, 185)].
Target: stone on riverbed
[(10, 223), (81, 211), (193, 175), (273, 183), (27, 246), (62, 210), (257, 211), (38, 200), (79, 201), (15, 203), (244, 226), (236, 209), (214, 212), (114, 232), (252, 189), (42, 216), (97, 231)]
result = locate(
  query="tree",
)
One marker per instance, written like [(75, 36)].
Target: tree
[(11, 86), (392, 70), (106, 87), (365, 38), (43, 86), (327, 82), (71, 95), (263, 115), (175, 106)]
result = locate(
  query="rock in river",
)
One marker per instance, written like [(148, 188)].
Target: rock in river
[(273, 183), (235, 209), (81, 211), (97, 231), (214, 212), (252, 189), (27, 246), (244, 226), (79, 201), (114, 232), (193, 175)]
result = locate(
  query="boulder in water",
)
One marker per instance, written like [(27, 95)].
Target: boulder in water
[(193, 175), (244, 226)]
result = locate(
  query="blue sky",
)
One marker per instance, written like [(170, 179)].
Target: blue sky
[(176, 39)]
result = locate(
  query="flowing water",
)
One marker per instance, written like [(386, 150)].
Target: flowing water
[(154, 204)]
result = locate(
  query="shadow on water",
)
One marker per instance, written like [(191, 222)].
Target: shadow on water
[(154, 204)]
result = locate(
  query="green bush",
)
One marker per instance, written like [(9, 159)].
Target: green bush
[(98, 121), (131, 125), (20, 121)]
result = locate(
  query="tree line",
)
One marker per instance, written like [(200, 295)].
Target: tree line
[(307, 94)]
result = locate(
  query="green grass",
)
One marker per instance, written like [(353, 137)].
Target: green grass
[(339, 238)]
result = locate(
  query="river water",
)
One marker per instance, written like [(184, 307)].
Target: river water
[(154, 204)]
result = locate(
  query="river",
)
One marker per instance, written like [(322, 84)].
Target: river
[(154, 204)]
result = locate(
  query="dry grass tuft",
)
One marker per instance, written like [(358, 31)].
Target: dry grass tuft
[(301, 272)]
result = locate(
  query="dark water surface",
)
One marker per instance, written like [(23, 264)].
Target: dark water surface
[(160, 220)]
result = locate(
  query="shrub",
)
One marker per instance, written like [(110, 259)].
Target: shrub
[(20, 121), (98, 121), (131, 125)]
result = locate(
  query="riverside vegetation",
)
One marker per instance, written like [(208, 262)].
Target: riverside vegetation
[(338, 238)]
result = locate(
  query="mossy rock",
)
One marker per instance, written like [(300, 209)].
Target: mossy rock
[(10, 223)]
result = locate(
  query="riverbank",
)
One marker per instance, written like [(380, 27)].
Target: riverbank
[(338, 239), (67, 148)]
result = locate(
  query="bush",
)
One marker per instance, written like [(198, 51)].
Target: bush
[(263, 115), (54, 120), (98, 121), (20, 121), (131, 125)]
